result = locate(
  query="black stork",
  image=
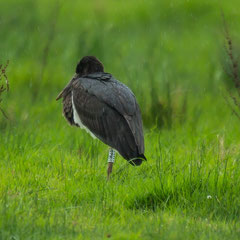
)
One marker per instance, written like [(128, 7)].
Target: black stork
[(105, 108)]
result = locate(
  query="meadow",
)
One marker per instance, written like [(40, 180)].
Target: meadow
[(53, 180)]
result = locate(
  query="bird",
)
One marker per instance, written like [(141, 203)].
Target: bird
[(107, 109)]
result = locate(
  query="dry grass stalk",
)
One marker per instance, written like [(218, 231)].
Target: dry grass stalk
[(233, 72), (5, 85)]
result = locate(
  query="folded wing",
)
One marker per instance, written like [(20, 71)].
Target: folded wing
[(109, 109)]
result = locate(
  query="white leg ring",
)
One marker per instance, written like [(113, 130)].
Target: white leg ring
[(111, 155)]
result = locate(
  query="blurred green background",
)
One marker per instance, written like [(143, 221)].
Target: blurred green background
[(171, 54)]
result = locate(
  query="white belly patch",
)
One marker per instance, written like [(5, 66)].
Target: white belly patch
[(78, 121)]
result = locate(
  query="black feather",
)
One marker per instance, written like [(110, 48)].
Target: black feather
[(109, 110)]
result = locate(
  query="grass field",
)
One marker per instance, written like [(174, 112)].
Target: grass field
[(53, 177)]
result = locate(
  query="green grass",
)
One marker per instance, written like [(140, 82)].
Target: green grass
[(53, 177), (54, 185)]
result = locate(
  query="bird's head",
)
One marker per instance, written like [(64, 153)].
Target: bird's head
[(89, 64)]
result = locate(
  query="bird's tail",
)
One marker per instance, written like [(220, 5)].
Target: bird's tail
[(138, 160)]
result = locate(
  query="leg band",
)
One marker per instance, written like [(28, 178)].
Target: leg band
[(111, 155)]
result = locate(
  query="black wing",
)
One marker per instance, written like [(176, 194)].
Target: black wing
[(119, 97), (114, 93), (105, 123), (109, 110)]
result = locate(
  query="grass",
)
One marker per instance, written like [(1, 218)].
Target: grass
[(52, 189), (53, 177)]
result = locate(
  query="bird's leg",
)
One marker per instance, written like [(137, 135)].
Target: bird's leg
[(111, 158)]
